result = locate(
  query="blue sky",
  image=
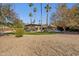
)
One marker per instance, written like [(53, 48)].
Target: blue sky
[(22, 10)]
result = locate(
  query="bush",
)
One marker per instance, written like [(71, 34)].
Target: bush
[(19, 27), (19, 32)]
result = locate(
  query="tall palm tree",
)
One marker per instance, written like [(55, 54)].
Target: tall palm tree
[(35, 10), (47, 11), (30, 4), (41, 16), (30, 14)]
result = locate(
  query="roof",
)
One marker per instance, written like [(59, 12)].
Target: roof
[(44, 25), (33, 25)]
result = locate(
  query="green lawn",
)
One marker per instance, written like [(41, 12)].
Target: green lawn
[(39, 33), (34, 33)]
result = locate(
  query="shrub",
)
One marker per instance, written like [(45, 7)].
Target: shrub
[(19, 32), (19, 27)]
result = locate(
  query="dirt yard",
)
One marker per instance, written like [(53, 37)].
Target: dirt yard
[(40, 45)]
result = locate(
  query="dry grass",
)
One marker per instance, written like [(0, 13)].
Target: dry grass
[(43, 45)]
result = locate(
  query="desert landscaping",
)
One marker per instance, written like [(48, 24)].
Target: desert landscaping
[(40, 45)]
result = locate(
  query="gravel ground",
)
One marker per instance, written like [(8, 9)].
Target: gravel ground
[(40, 45)]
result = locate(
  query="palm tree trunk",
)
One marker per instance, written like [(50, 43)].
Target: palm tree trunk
[(47, 23), (30, 20), (41, 17), (31, 23), (35, 18)]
